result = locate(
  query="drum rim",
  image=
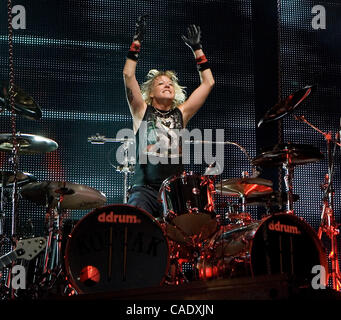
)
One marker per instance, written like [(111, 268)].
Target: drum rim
[(67, 246), (180, 175), (319, 245)]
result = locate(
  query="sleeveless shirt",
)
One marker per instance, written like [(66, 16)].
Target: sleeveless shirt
[(159, 154)]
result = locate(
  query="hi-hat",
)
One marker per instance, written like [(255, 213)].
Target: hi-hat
[(75, 196), (27, 143), (293, 153), (238, 187), (24, 104), (7, 178), (287, 105)]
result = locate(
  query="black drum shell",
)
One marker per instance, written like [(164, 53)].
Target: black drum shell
[(188, 206), (144, 263), (277, 244)]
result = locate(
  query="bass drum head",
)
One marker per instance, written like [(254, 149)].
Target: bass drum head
[(284, 243), (116, 247)]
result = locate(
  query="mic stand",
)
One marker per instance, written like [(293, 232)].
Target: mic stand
[(328, 224), (254, 170)]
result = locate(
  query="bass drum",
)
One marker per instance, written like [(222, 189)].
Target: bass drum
[(278, 244), (116, 247)]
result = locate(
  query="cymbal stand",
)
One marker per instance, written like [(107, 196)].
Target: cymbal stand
[(328, 224), (53, 260), (126, 168), (288, 179), (2, 212)]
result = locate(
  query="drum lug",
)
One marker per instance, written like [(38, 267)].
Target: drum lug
[(170, 214)]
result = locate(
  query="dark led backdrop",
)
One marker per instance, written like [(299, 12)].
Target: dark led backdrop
[(70, 59)]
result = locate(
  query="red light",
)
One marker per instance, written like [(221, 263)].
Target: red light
[(89, 275)]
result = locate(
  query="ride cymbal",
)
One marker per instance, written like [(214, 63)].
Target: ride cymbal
[(281, 153), (75, 196), (27, 143)]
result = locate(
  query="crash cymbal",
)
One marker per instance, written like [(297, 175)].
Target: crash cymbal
[(76, 196), (272, 199), (286, 106), (28, 143), (24, 104), (7, 178), (280, 153), (238, 187)]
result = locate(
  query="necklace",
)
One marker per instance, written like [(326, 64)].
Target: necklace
[(162, 113)]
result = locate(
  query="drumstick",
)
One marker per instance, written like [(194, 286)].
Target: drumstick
[(125, 253), (110, 255)]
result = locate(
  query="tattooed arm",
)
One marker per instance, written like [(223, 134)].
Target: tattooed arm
[(133, 93)]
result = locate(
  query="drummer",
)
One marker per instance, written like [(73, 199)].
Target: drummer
[(159, 106)]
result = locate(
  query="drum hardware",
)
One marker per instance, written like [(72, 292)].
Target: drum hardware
[(58, 196), (328, 224), (128, 164), (7, 179), (288, 155), (211, 170)]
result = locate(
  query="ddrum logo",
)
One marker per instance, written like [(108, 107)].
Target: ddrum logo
[(118, 218), (283, 228)]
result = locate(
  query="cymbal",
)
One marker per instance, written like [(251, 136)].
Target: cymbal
[(238, 187), (7, 178), (75, 196), (24, 104), (279, 154), (287, 105), (28, 143), (271, 199)]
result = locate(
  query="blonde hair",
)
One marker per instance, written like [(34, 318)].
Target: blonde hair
[(146, 87)]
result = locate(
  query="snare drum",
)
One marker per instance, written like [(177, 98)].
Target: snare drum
[(116, 247), (278, 244), (188, 207)]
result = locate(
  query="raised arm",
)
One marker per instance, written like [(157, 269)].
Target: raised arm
[(133, 93), (195, 101)]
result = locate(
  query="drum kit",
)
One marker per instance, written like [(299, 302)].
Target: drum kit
[(56, 196), (120, 246)]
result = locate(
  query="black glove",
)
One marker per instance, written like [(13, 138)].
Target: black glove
[(193, 37), (140, 27)]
